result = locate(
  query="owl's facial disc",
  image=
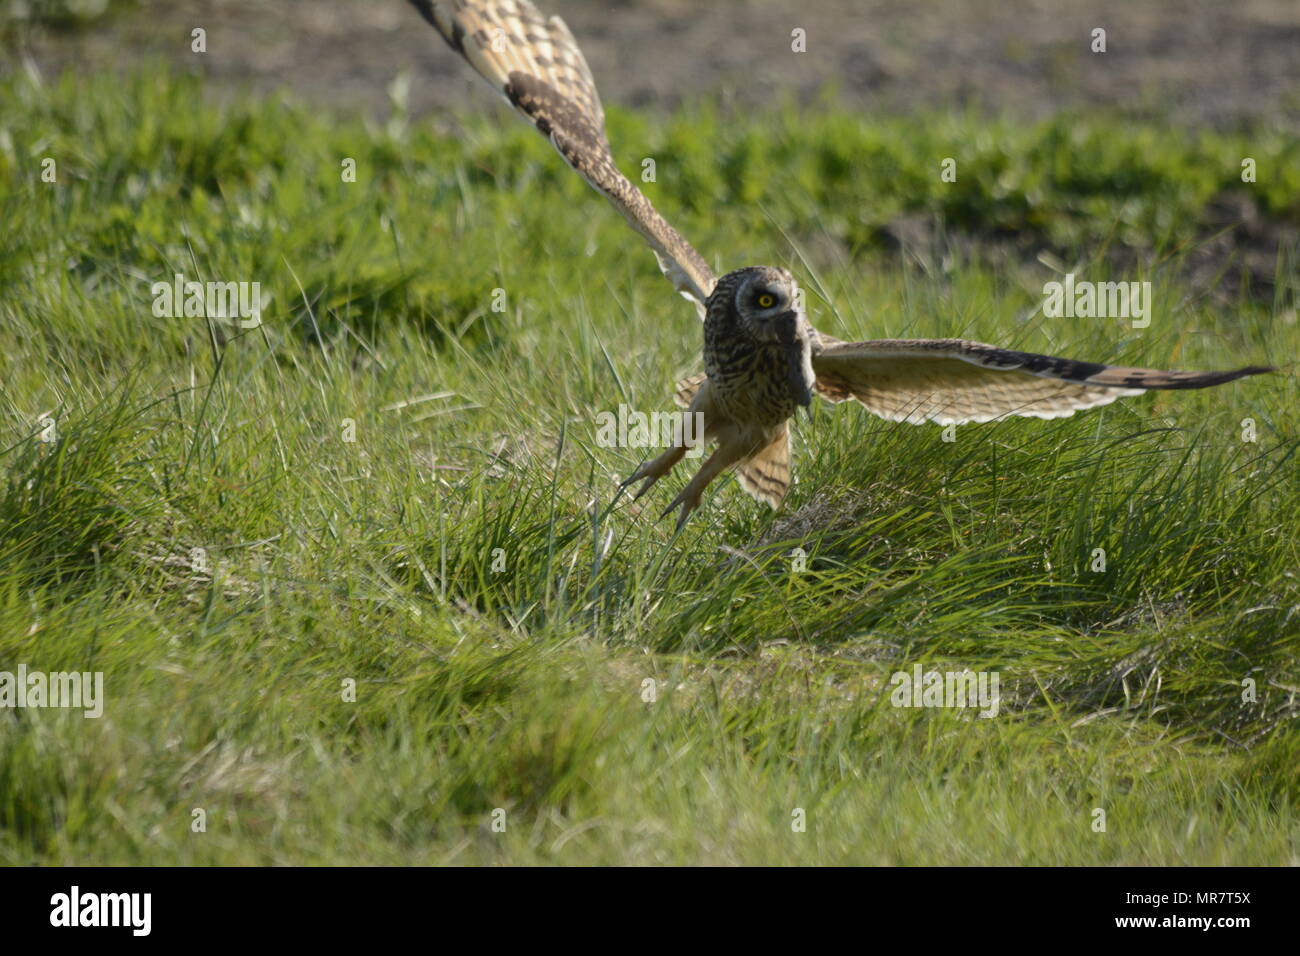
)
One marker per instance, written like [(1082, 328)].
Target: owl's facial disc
[(767, 303)]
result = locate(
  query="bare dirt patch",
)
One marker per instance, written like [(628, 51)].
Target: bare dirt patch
[(1203, 61)]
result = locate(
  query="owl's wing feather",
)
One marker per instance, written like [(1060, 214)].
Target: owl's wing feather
[(953, 381), (537, 64), (686, 389)]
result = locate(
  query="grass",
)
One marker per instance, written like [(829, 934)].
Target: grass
[(366, 651)]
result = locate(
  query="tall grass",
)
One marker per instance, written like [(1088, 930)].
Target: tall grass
[(197, 525)]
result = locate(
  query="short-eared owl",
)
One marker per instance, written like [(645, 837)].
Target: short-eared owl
[(762, 358)]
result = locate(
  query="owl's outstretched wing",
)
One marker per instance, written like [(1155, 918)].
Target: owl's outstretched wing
[(952, 381), (536, 63)]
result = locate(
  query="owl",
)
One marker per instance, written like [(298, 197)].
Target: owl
[(763, 359)]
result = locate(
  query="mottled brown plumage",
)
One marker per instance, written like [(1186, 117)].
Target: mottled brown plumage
[(762, 359), (536, 64)]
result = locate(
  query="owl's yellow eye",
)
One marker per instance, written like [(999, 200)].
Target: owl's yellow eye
[(766, 301)]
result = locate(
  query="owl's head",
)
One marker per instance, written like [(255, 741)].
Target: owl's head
[(769, 305)]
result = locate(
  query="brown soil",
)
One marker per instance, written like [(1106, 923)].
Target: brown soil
[(1203, 61)]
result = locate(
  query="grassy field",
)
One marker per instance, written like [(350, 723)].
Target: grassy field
[(391, 486)]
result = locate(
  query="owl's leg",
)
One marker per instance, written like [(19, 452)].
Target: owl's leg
[(655, 468), (726, 455), (685, 440)]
